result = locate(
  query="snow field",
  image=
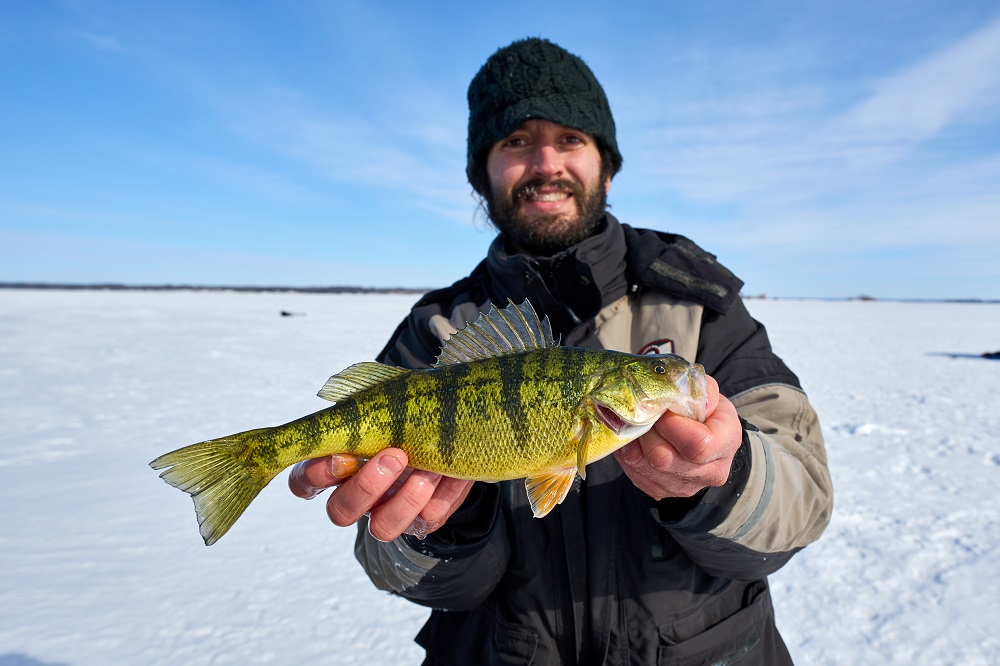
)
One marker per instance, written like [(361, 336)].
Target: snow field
[(101, 562)]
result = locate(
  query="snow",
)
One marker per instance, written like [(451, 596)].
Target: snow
[(101, 562)]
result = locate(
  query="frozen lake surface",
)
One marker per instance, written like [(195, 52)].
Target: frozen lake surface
[(101, 562)]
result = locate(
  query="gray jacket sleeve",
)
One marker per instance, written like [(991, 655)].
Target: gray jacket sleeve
[(454, 568), (780, 496)]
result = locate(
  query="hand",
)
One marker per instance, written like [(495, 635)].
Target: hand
[(679, 456), (397, 499)]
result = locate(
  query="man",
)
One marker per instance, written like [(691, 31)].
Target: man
[(662, 554)]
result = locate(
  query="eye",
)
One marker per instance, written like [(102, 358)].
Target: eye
[(660, 369), (514, 141)]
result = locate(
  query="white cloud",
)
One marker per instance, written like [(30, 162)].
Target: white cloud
[(778, 163), (942, 89), (401, 154)]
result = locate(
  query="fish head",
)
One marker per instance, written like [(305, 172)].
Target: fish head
[(647, 387), (668, 382)]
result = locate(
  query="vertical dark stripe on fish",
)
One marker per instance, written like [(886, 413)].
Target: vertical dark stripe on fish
[(308, 431), (268, 449), (397, 403), (352, 420), (512, 377), (570, 372), (448, 400)]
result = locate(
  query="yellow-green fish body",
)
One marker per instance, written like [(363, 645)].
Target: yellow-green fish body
[(503, 402)]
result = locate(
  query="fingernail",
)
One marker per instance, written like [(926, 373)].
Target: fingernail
[(390, 464)]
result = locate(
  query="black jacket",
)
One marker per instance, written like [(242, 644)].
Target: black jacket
[(612, 576)]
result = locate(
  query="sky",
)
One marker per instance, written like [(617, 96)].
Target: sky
[(822, 149)]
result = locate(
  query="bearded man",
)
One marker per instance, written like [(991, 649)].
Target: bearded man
[(662, 553)]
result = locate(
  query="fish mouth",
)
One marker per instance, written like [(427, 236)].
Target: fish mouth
[(619, 425), (693, 402)]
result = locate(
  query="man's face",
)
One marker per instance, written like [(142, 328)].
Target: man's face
[(547, 188)]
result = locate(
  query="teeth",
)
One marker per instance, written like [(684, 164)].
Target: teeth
[(548, 196)]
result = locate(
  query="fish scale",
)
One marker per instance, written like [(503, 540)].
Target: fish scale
[(504, 401)]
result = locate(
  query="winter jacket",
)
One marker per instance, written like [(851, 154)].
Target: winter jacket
[(612, 576)]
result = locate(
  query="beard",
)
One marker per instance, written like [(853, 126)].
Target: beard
[(545, 235)]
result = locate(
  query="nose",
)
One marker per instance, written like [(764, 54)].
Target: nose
[(546, 162)]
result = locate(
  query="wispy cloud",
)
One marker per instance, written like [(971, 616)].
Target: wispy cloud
[(945, 88), (796, 165), (419, 157), (100, 41)]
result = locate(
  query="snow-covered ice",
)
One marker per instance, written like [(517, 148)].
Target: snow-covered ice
[(101, 562)]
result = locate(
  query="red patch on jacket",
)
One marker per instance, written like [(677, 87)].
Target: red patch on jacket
[(665, 346)]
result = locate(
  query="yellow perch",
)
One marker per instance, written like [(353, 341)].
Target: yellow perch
[(504, 401)]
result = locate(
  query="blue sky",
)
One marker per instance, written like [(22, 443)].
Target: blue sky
[(825, 149)]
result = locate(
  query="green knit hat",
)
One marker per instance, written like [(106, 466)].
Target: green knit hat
[(534, 78)]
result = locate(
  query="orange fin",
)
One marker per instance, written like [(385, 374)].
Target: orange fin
[(346, 465), (548, 489)]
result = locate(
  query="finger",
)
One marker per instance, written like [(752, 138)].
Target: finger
[(311, 477), (654, 483), (447, 498), (712, 391), (683, 479), (395, 515), (700, 443), (658, 453), (356, 496)]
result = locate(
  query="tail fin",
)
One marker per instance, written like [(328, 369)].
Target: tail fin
[(221, 476)]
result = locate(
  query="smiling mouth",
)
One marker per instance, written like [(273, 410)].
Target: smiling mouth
[(537, 191), (548, 196)]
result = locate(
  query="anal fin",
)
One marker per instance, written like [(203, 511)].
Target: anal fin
[(548, 489)]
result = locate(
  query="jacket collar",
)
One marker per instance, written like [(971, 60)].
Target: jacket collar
[(571, 286)]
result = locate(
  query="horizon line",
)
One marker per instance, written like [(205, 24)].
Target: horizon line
[(357, 289)]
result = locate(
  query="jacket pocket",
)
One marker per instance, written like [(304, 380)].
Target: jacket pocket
[(459, 638), (514, 645), (732, 641)]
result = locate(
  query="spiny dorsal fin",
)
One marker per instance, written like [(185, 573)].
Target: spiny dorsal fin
[(515, 328), (358, 377)]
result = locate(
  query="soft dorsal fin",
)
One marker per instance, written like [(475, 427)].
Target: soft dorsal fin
[(515, 328), (358, 377)]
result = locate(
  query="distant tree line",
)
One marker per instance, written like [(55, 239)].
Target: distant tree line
[(100, 286)]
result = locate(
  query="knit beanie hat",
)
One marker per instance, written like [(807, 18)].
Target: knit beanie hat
[(534, 78)]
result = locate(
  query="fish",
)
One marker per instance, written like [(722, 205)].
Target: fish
[(503, 401)]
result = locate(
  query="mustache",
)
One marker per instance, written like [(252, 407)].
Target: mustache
[(531, 187)]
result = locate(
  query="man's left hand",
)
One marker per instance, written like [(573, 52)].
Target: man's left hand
[(679, 456)]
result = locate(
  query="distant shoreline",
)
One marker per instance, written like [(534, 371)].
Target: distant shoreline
[(112, 286)]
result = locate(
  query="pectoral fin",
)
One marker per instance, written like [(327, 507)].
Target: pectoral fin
[(581, 448), (548, 489)]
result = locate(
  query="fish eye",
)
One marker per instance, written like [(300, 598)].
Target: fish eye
[(660, 369)]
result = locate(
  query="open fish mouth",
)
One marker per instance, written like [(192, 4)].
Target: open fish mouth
[(620, 425)]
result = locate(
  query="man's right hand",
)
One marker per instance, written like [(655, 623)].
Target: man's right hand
[(398, 499)]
